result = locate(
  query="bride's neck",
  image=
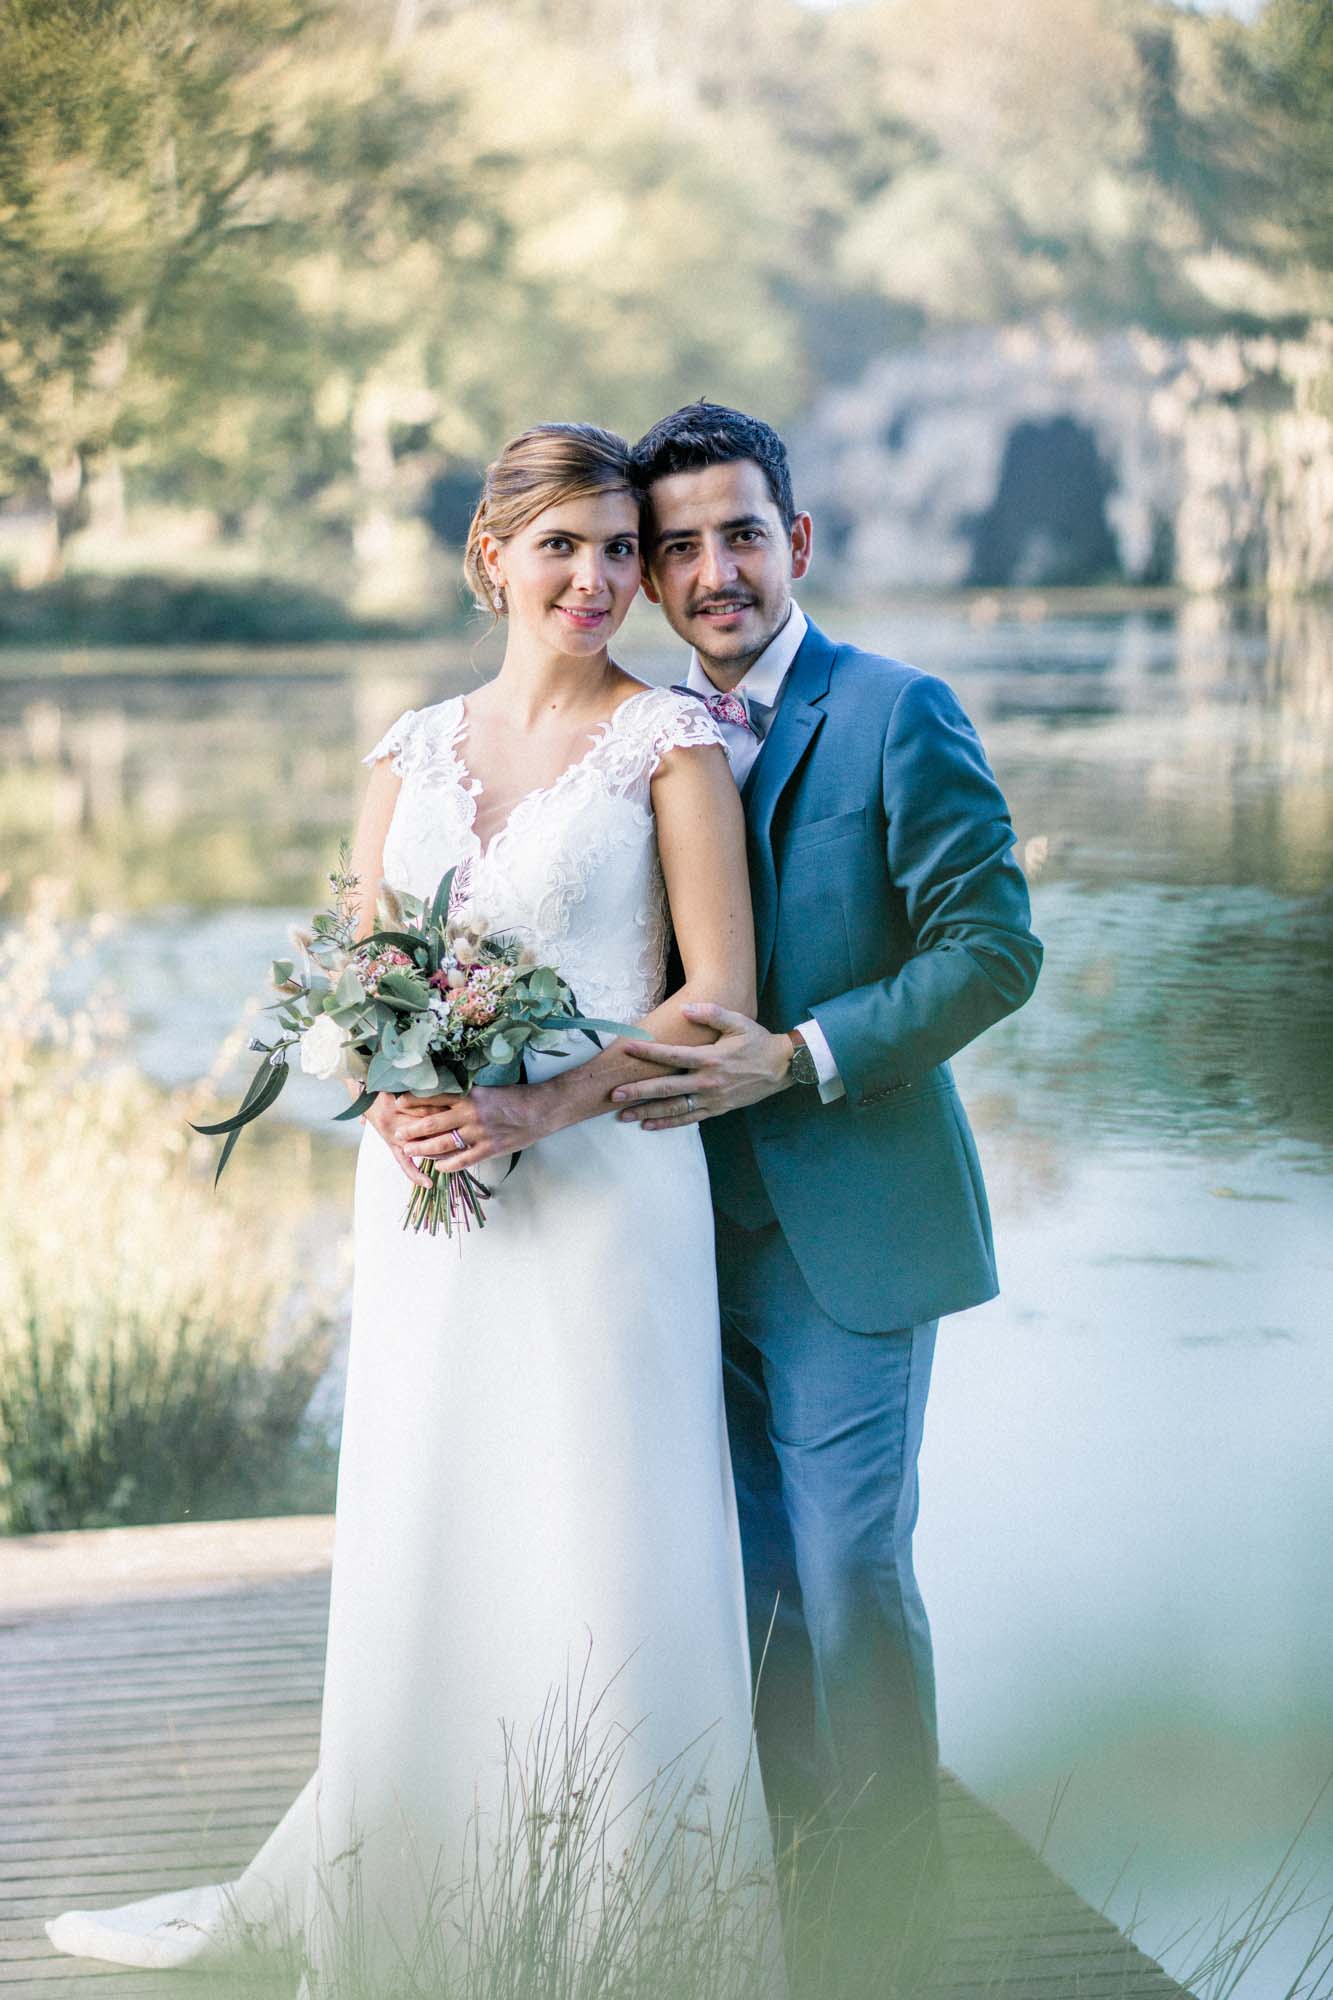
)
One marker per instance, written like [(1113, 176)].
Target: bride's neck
[(534, 682)]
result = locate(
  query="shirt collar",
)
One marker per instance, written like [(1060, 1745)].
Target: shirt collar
[(765, 677)]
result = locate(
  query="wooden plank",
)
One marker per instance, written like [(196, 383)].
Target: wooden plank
[(155, 1818), (155, 1741), (41, 1572), (76, 1746), (178, 1665)]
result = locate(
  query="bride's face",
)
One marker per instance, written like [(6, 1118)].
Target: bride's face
[(571, 574)]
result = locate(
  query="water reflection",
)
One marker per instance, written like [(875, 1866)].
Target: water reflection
[(1123, 1533)]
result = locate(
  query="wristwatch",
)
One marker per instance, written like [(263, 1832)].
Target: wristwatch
[(802, 1068)]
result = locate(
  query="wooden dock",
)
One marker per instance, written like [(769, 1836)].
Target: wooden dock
[(159, 1710)]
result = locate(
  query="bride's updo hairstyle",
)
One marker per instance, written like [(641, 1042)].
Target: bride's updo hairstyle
[(540, 468)]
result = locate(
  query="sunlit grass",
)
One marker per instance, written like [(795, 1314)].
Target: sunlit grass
[(158, 1341), (573, 1883)]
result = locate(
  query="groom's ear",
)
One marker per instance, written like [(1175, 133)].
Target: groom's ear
[(650, 590), (802, 546)]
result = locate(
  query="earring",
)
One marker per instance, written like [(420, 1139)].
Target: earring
[(498, 598)]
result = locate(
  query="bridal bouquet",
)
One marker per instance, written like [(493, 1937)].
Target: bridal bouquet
[(433, 1001)]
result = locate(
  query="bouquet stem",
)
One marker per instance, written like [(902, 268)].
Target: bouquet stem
[(452, 1201)]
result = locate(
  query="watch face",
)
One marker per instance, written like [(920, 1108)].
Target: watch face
[(803, 1065)]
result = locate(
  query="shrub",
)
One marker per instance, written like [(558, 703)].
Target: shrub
[(159, 1342)]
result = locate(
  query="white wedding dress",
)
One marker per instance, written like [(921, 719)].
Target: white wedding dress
[(534, 1488)]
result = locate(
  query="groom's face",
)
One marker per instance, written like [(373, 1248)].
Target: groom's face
[(720, 562)]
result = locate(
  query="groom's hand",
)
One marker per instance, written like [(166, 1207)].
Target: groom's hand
[(742, 1066)]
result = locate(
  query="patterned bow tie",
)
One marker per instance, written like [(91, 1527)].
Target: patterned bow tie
[(722, 707)]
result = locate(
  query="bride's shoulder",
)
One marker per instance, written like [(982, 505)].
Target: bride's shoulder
[(416, 737), (668, 718)]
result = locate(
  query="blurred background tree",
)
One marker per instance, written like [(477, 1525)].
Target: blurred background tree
[(297, 268)]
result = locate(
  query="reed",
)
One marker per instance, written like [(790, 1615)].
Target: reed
[(155, 1359), (569, 1884), (1222, 1953)]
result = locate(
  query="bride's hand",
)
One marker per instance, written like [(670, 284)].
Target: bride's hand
[(387, 1115), (493, 1120)]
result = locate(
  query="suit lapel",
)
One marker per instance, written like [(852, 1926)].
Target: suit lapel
[(792, 731)]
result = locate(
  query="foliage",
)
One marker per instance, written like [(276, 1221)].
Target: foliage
[(304, 261), (135, 155), (153, 1363), (1107, 159), (150, 608)]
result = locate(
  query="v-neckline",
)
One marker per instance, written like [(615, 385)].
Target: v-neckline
[(473, 789)]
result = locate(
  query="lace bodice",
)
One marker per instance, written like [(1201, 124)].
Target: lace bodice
[(575, 866)]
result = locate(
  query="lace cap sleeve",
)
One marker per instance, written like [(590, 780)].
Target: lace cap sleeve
[(680, 721), (394, 741)]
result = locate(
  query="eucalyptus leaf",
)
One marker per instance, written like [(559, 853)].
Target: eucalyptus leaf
[(350, 992), (625, 1028), (439, 907), (492, 1076), (408, 941), (421, 1081), (355, 1109), (415, 1040), (384, 1073), (270, 1088), (259, 1094), (405, 988)]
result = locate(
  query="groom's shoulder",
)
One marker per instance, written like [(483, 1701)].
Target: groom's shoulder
[(874, 681)]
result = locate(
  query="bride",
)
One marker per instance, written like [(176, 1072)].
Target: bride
[(537, 1617)]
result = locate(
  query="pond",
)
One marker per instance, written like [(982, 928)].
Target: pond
[(1125, 1517)]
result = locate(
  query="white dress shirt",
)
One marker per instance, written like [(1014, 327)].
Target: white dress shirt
[(764, 683)]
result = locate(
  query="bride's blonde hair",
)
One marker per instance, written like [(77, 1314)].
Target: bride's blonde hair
[(538, 469)]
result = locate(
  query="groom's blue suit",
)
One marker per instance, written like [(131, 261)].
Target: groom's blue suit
[(888, 908)]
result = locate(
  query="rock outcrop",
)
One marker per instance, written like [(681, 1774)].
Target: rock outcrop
[(1038, 455)]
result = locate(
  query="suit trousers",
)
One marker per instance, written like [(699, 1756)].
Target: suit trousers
[(825, 1426)]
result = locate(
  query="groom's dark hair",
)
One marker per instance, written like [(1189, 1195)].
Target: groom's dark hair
[(701, 434)]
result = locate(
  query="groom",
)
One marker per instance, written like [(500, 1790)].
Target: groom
[(892, 927)]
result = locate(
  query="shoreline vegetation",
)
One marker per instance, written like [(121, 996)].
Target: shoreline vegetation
[(235, 626), (156, 1361)]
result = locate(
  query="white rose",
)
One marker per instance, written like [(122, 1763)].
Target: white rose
[(324, 1048)]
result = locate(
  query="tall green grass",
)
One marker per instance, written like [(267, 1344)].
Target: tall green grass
[(159, 1341), (567, 1897), (567, 1886)]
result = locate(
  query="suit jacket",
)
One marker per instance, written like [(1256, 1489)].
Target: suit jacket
[(888, 906)]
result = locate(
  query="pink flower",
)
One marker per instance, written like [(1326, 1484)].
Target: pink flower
[(476, 1010)]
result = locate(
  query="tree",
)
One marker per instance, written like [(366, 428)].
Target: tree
[(136, 145)]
